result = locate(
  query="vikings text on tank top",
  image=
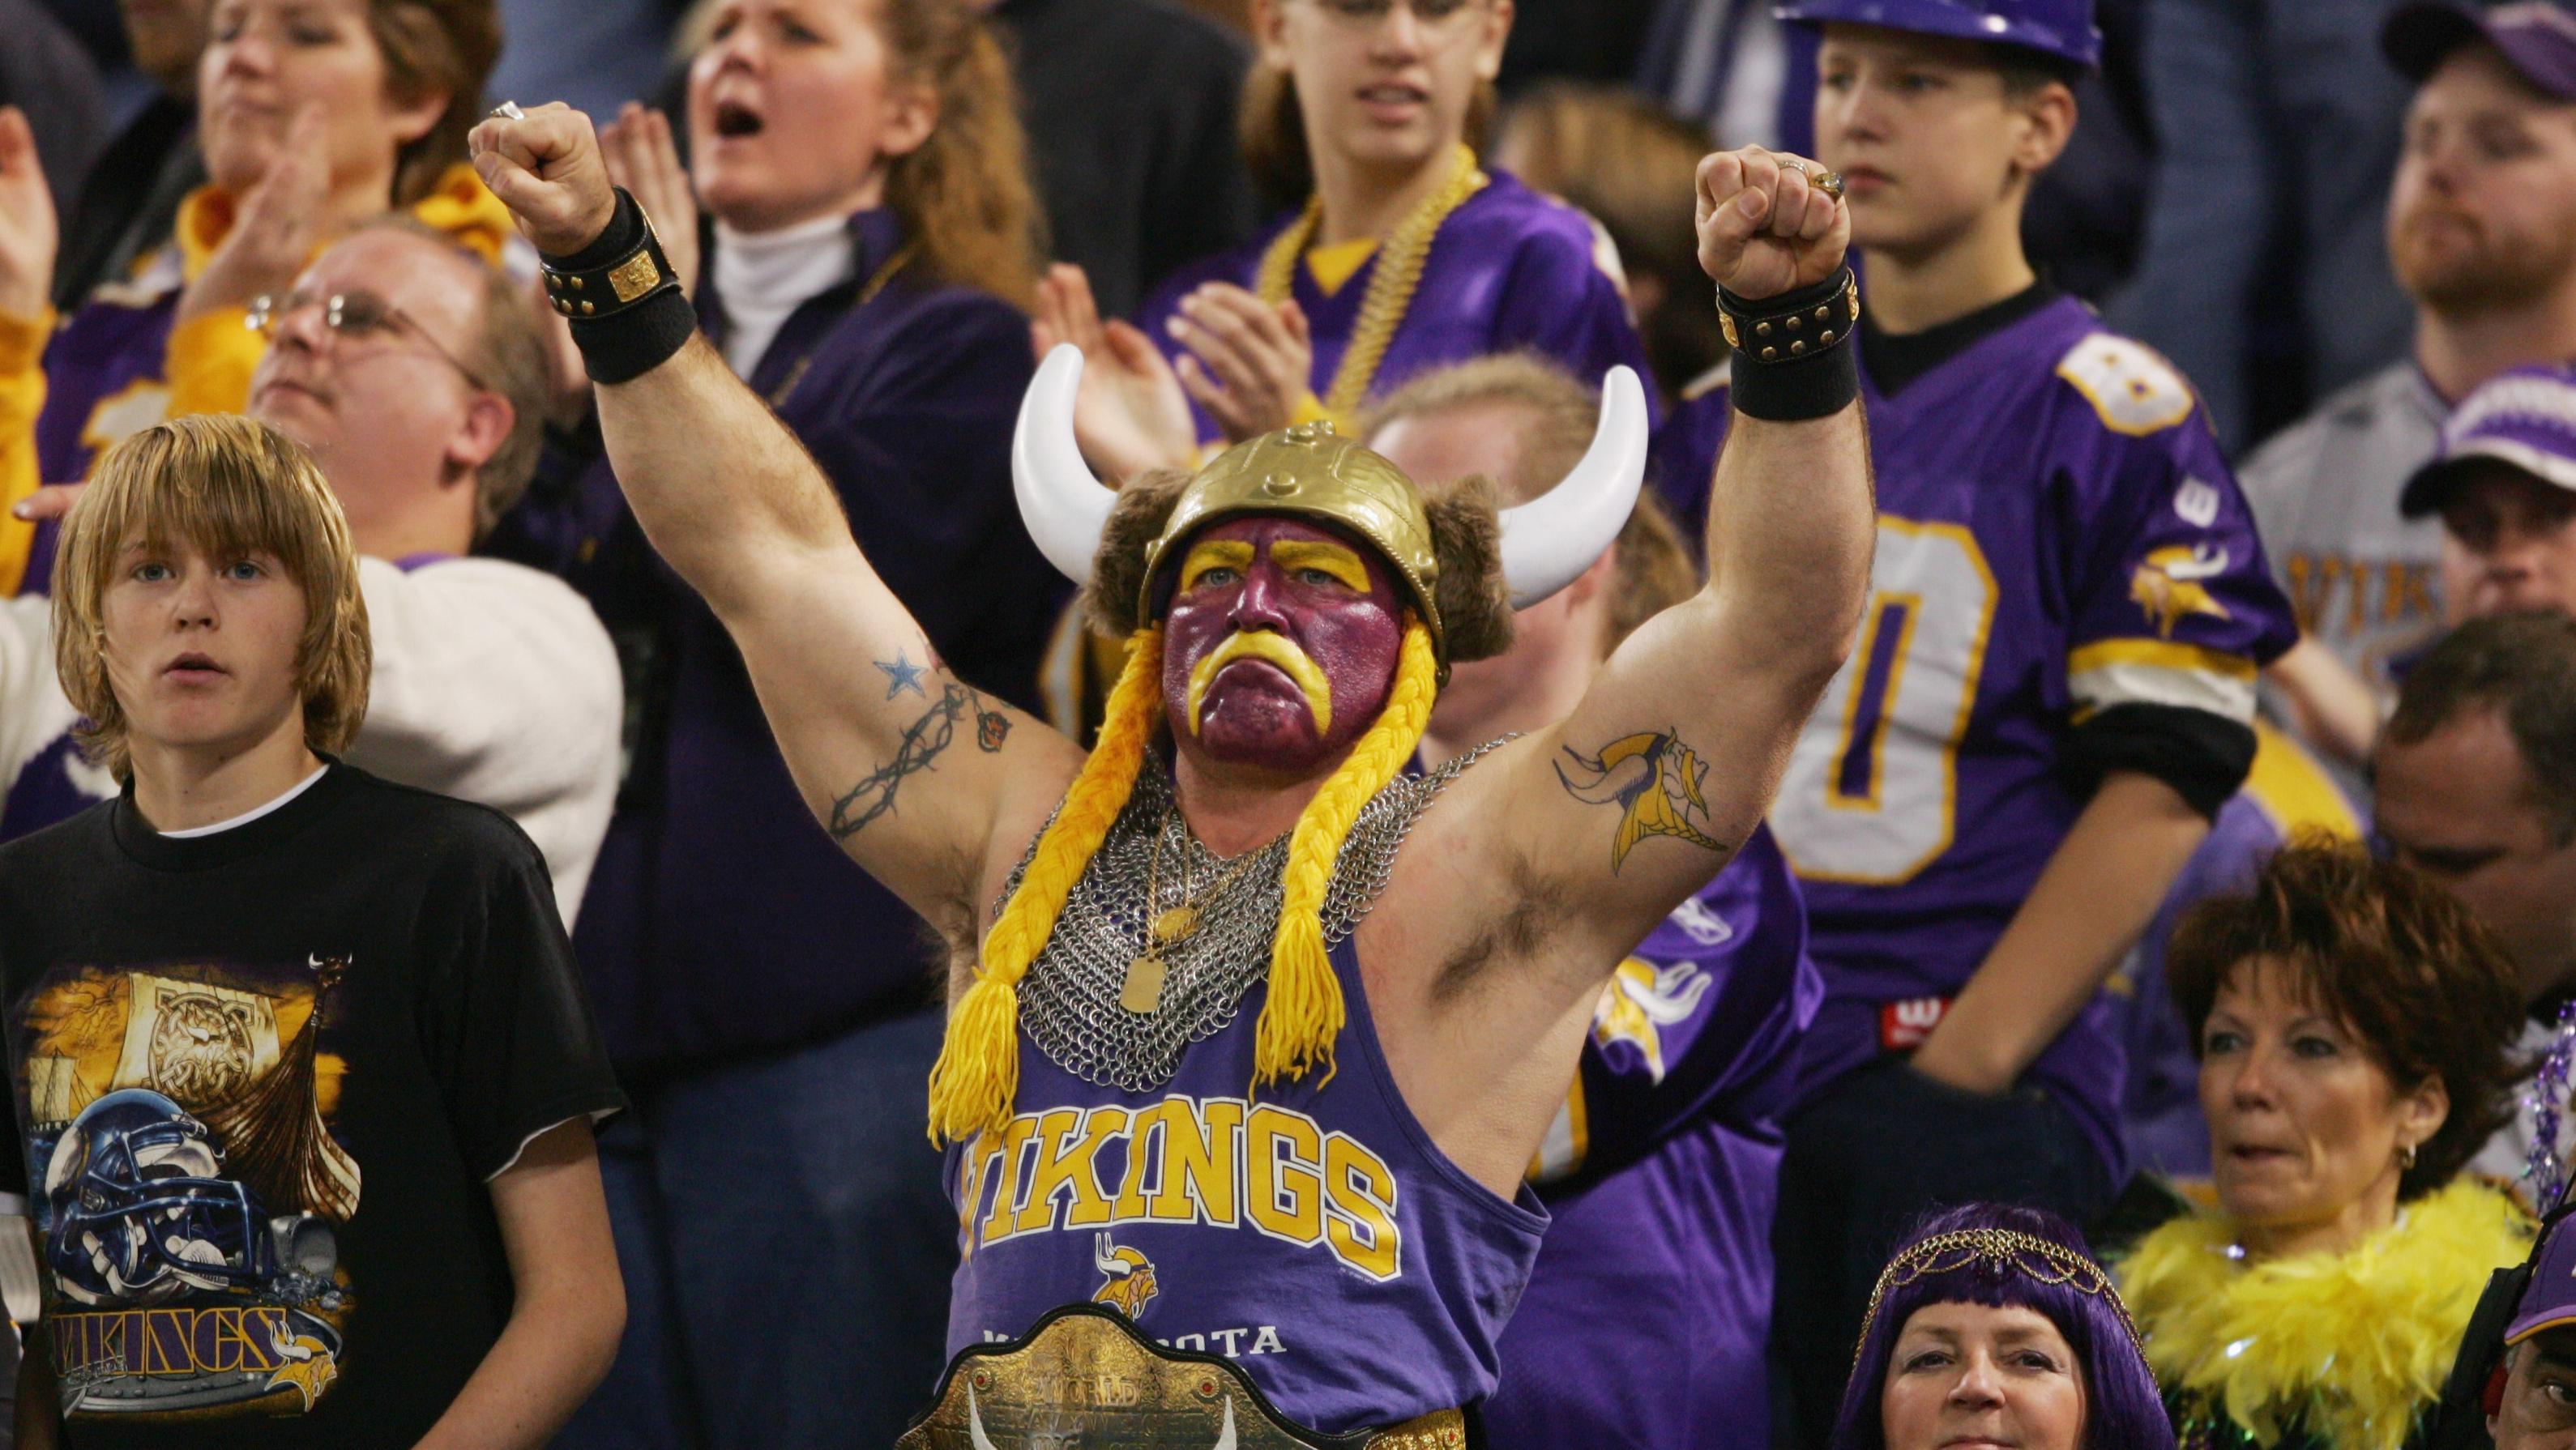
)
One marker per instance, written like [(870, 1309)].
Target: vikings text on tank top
[(1509, 269), (1312, 1233)]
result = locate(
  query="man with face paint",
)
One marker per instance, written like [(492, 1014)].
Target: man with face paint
[(1252, 1038)]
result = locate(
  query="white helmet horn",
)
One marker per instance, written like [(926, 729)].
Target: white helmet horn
[(1063, 505), (1549, 541)]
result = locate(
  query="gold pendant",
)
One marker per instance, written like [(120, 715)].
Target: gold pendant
[(1175, 924), (1144, 990)]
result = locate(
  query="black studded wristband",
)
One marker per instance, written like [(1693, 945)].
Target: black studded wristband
[(1793, 353), (619, 293)]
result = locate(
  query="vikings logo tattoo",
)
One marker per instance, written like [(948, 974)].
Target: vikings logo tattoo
[(923, 741), (1655, 781)]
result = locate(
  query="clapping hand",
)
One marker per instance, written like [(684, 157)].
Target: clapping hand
[(642, 158), (1131, 414), (277, 227), (1248, 362), (28, 234)]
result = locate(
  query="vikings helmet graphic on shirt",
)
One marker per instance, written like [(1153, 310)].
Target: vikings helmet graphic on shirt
[(142, 1213)]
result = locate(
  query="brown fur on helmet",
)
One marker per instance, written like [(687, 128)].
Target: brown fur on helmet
[(1466, 536)]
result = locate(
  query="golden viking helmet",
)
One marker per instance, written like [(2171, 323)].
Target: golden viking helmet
[(1545, 544), (1309, 471)]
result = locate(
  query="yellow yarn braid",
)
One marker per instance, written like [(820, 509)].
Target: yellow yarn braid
[(1304, 1014), (978, 1073)]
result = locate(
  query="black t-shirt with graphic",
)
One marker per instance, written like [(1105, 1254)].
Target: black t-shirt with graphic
[(262, 1079)]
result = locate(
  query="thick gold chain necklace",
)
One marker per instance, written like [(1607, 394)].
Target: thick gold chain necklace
[(1390, 288)]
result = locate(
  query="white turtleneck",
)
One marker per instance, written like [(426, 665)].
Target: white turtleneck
[(764, 276)]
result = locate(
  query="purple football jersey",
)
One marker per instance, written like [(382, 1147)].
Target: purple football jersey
[(1310, 1232), (1644, 1321), (1509, 269), (2058, 536)]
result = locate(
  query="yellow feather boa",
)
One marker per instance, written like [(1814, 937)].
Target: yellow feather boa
[(2347, 1347)]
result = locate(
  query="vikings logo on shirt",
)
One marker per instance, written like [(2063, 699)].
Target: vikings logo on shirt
[(1127, 1277), (1642, 1000), (191, 1187), (2170, 584)]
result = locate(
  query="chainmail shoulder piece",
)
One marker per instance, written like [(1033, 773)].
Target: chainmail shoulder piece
[(1069, 1002)]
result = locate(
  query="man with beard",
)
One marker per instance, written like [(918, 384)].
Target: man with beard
[(1251, 1040), (2482, 231)]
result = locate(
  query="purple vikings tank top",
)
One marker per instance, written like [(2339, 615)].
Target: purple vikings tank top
[(1311, 1233)]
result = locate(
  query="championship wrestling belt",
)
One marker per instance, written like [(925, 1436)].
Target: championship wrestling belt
[(1086, 1376)]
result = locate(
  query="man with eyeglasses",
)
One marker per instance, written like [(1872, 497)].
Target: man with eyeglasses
[(418, 378)]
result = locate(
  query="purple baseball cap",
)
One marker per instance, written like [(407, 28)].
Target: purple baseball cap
[(2549, 1301), (2524, 416), (2537, 37)]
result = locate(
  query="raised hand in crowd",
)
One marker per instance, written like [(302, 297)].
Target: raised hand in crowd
[(1132, 414), (1764, 229), (279, 225), (643, 158), (547, 167), (28, 233), (1247, 362)]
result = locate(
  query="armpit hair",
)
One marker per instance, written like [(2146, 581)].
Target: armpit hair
[(1540, 904)]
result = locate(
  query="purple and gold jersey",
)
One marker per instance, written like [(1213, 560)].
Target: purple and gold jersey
[(1310, 1232), (1509, 269), (1644, 1322), (2058, 537)]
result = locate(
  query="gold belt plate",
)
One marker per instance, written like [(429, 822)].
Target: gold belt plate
[(1086, 1377)]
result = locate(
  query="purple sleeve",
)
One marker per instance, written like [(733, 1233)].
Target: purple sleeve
[(1704, 1019), (1557, 301), (2169, 601), (1684, 461)]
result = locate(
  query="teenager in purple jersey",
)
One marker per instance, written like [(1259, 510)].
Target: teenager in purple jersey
[(1170, 1084), (1645, 1317), (2051, 692)]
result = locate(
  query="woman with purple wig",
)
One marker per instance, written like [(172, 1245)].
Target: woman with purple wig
[(1993, 1326)]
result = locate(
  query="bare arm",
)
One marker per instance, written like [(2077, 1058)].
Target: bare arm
[(2332, 707), (1640, 795), (570, 1303), (732, 501), (2099, 890)]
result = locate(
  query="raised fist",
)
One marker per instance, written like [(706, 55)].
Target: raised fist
[(547, 169), (1765, 227)]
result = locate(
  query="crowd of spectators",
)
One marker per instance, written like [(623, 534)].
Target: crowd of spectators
[(2181, 877)]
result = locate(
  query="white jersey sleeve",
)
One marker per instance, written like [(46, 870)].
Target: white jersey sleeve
[(495, 683), (33, 710)]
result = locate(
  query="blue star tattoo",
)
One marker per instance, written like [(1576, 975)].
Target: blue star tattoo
[(902, 675)]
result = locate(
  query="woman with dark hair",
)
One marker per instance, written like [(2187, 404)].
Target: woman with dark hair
[(2353, 1024), (313, 116), (1994, 1325), (1404, 253), (872, 255)]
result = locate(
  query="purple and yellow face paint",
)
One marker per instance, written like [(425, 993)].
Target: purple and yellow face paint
[(1280, 644)]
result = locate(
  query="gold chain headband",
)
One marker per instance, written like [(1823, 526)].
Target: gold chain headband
[(2028, 1254)]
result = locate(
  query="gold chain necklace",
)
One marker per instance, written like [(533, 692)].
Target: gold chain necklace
[(1143, 990), (1390, 288), (875, 284)]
